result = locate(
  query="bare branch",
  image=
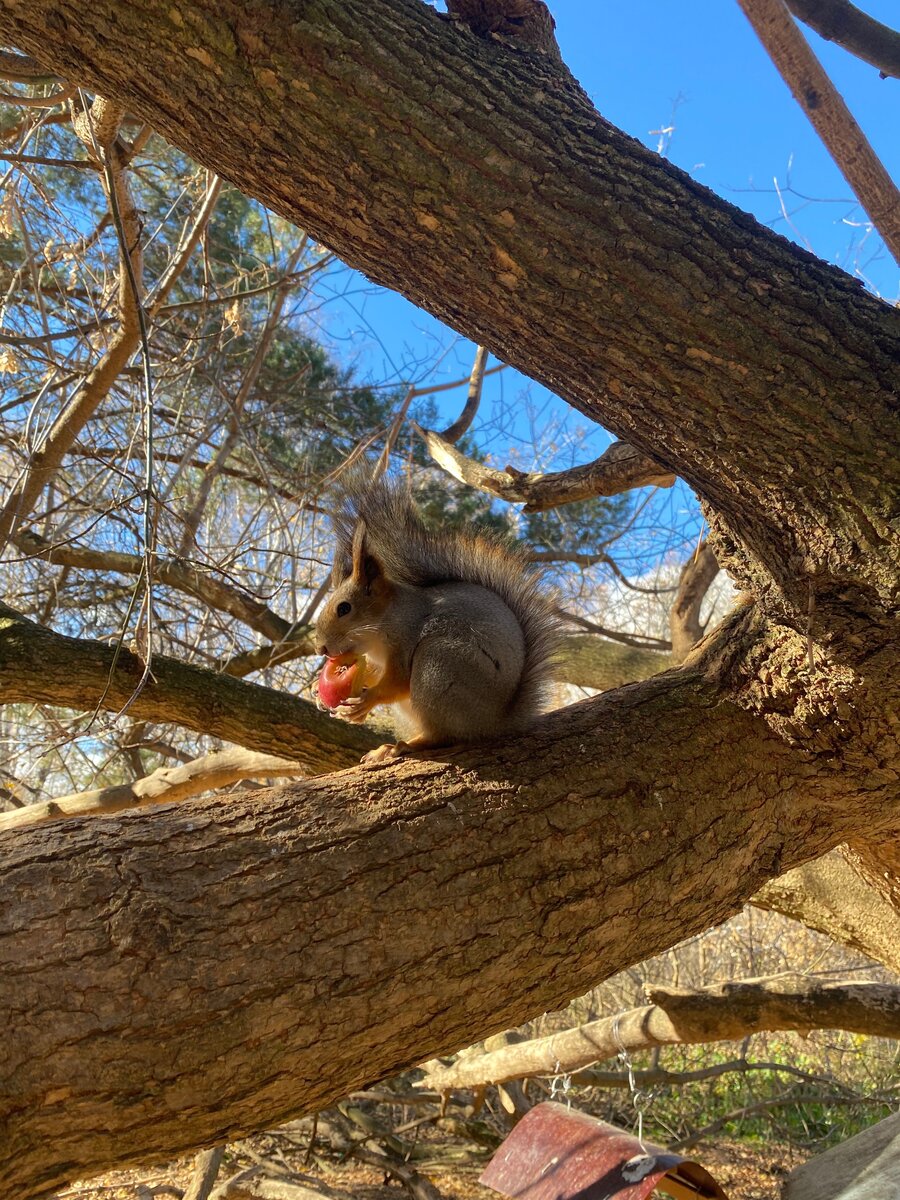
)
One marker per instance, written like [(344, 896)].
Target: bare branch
[(829, 115), (473, 398), (724, 1011), (37, 101), (19, 68), (697, 575), (616, 635), (248, 382), (100, 127), (165, 786), (41, 666), (619, 469), (176, 573), (842, 22)]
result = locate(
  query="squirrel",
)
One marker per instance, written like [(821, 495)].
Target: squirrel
[(452, 624)]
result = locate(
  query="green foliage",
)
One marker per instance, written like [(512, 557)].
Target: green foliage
[(835, 1099), (583, 526)]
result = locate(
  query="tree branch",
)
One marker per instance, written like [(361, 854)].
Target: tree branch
[(165, 786), (620, 468), (45, 461), (19, 68), (828, 115), (243, 946), (39, 666), (697, 575), (175, 573), (432, 122), (473, 398), (844, 23), (721, 1012)]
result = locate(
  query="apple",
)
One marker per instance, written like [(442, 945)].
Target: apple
[(337, 680)]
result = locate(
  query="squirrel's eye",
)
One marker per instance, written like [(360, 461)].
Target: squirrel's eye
[(343, 608)]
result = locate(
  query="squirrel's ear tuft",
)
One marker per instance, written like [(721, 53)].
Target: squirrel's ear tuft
[(366, 567)]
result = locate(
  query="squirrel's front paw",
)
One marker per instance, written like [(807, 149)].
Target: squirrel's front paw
[(387, 753), (354, 708)]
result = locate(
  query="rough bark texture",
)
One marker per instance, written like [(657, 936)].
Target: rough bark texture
[(831, 896), (171, 982), (39, 666), (477, 179)]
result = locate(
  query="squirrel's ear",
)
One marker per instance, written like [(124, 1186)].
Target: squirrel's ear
[(366, 567)]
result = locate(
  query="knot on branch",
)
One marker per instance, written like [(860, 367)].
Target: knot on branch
[(527, 23)]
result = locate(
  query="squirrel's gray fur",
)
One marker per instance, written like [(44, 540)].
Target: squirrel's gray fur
[(415, 560)]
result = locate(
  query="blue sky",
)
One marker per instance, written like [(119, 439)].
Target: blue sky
[(699, 67)]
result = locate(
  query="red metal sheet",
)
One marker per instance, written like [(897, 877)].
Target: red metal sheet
[(556, 1153)]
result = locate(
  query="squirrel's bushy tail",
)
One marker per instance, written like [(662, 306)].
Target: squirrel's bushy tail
[(418, 557)]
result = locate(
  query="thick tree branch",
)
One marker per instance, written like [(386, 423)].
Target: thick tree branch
[(673, 1016), (243, 945), (842, 22), (829, 115), (39, 666), (485, 155), (830, 895)]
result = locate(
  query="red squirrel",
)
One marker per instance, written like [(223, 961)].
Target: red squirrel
[(451, 623)]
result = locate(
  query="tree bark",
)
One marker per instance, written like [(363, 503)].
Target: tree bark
[(477, 179), (43, 667), (842, 22), (830, 895), (174, 981)]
